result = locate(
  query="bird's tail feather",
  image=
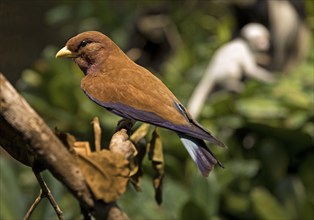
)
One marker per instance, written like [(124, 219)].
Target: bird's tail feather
[(200, 153)]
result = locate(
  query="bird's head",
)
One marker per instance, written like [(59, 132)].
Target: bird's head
[(88, 49)]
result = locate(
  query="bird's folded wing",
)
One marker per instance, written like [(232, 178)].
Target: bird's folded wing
[(151, 102)]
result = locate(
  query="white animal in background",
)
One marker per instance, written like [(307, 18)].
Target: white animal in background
[(231, 62)]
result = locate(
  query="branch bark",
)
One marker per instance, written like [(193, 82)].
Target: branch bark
[(26, 137)]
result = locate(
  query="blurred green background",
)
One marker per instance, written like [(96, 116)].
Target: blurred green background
[(268, 128)]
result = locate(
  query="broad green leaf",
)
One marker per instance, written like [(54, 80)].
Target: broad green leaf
[(266, 206)]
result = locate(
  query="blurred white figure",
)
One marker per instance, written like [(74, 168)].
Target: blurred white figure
[(290, 36), (286, 21), (230, 62)]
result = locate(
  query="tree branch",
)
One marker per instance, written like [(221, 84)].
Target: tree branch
[(26, 137)]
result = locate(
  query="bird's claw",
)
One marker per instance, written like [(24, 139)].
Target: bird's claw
[(126, 124)]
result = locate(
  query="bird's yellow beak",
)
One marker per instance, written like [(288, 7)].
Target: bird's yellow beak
[(65, 52)]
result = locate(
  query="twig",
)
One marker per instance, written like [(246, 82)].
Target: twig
[(47, 193), (34, 205), (44, 192)]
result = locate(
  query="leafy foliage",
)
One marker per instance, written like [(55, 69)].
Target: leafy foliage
[(269, 129)]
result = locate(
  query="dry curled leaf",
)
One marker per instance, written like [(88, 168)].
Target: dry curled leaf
[(140, 133), (75, 147), (136, 166), (97, 133), (120, 144), (82, 148), (67, 139), (155, 154), (138, 139), (105, 171), (106, 174)]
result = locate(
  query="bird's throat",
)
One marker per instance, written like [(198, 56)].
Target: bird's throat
[(85, 64)]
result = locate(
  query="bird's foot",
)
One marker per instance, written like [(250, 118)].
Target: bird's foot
[(126, 124)]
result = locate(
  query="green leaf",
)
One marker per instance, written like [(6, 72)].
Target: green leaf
[(236, 203), (191, 210), (11, 199), (260, 108), (266, 205)]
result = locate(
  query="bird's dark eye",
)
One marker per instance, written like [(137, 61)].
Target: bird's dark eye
[(83, 43)]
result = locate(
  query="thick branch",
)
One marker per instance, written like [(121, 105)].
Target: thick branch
[(26, 137)]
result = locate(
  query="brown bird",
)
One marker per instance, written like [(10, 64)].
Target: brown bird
[(121, 86)]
